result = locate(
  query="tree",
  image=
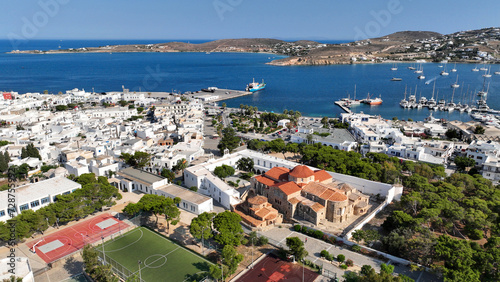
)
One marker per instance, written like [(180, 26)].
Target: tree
[(61, 108), (358, 235), (245, 164), (464, 162), (140, 109), (137, 160), (157, 205), (202, 224), (479, 130), (30, 151), (167, 173), (229, 140), (296, 247), (123, 103), (452, 133), (387, 268), (229, 229), (224, 171), (181, 165), (3, 164), (224, 105), (193, 188), (340, 258), (94, 268), (231, 258), (172, 212)]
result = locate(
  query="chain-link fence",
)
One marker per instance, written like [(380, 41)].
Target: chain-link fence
[(118, 269)]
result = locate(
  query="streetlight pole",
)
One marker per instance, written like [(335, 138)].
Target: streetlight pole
[(222, 269), (303, 262), (202, 241), (252, 252), (139, 263), (103, 252)]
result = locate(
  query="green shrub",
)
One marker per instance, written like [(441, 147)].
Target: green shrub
[(318, 234), (340, 258), (343, 266), (356, 248), (304, 229), (263, 241), (324, 253), (476, 234), (330, 257), (297, 228)]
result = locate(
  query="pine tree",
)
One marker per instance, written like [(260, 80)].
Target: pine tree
[(7, 157)]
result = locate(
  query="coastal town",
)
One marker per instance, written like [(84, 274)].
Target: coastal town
[(347, 188)]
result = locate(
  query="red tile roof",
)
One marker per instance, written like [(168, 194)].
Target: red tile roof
[(301, 171), (288, 187), (321, 175), (280, 173), (266, 181)]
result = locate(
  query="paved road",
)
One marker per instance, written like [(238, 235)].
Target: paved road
[(315, 246)]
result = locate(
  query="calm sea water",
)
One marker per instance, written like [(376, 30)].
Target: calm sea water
[(311, 90)]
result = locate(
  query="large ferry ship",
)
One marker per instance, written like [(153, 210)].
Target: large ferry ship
[(255, 86)]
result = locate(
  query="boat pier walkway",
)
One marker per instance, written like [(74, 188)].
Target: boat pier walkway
[(342, 105)]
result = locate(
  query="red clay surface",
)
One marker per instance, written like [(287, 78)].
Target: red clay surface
[(273, 269), (76, 236)]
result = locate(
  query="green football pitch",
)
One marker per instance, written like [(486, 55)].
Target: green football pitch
[(161, 259)]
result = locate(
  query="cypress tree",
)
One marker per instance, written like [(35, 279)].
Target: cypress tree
[(24, 153), (3, 164)]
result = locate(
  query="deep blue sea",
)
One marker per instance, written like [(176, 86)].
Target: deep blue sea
[(311, 90)]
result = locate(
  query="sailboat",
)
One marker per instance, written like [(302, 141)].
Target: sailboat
[(484, 68), (484, 93), (455, 85), (394, 68), (487, 74), (454, 69), (432, 103), (404, 102), (420, 69), (444, 73), (498, 72), (451, 105), (411, 67)]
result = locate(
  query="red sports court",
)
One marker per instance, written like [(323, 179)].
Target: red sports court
[(274, 269), (73, 238)]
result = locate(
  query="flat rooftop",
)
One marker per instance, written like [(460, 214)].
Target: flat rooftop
[(140, 175), (184, 194)]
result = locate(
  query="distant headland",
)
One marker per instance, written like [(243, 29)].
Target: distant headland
[(463, 46)]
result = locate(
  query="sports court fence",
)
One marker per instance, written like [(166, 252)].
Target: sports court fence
[(118, 269)]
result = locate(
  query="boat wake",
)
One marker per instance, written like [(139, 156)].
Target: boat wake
[(431, 80)]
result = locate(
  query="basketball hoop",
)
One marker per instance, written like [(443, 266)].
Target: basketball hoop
[(33, 248)]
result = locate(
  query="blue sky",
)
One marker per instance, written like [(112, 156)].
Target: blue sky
[(215, 19)]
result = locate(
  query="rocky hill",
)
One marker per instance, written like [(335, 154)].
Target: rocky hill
[(463, 46)]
